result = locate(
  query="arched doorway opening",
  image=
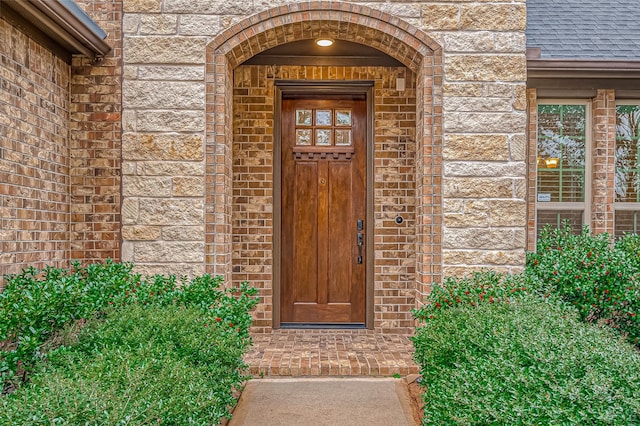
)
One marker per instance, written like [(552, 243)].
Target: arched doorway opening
[(402, 213)]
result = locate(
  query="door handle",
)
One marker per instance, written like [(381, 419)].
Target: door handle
[(360, 240)]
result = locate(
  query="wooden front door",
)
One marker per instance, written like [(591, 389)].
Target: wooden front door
[(323, 197)]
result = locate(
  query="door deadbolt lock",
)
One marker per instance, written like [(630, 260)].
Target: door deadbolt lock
[(360, 240)]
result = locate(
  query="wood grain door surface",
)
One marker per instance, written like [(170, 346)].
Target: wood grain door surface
[(323, 200)]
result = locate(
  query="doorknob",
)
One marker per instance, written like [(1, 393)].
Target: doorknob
[(360, 240)]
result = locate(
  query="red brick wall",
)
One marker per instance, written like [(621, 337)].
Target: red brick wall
[(95, 142), (394, 163), (34, 154), (603, 163)]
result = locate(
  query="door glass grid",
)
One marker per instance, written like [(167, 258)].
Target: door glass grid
[(323, 127)]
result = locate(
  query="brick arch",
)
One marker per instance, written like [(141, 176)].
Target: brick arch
[(340, 20), (313, 19)]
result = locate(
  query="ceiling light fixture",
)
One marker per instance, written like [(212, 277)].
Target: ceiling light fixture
[(324, 42)]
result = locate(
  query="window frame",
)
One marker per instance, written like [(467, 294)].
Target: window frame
[(623, 205), (585, 204)]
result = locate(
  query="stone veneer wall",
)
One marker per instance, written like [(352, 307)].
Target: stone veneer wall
[(471, 124), (394, 184), (34, 154)]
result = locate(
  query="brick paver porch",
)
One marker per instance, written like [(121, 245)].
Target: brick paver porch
[(330, 353)]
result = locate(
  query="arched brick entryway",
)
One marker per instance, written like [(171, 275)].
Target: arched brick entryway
[(342, 21)]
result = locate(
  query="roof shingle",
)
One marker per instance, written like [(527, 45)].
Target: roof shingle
[(584, 29)]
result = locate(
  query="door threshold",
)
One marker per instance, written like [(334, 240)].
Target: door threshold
[(319, 326)]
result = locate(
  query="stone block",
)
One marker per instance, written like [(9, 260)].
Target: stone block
[(168, 211), (158, 24), (477, 104), (140, 233), (463, 89), (464, 220), (482, 239), (510, 42), (440, 17), (484, 257), (485, 122), (199, 25), (188, 186), (172, 168), (484, 168), (508, 213), (183, 233), (141, 146), (478, 187), (459, 42), (146, 186), (518, 147), (142, 6), (162, 95), (485, 67), (208, 7), (493, 17), (130, 210), (170, 121), (171, 73), (169, 251), (164, 49), (475, 147)]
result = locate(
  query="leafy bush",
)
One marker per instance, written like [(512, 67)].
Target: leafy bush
[(601, 280), (530, 362), (161, 363), (34, 305), (485, 287)]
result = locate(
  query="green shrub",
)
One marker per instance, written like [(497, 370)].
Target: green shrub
[(166, 363), (484, 287), (34, 305), (601, 280), (530, 362)]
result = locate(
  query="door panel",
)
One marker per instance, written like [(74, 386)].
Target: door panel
[(323, 197)]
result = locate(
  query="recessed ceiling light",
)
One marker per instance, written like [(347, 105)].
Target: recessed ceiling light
[(324, 42)]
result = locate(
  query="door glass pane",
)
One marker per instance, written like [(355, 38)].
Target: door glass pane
[(303, 137), (343, 137), (303, 117), (561, 153), (627, 177), (343, 117), (323, 137), (323, 117)]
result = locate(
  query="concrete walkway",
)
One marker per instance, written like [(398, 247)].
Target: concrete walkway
[(324, 401)]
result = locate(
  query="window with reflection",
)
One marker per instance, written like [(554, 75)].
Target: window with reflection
[(561, 158), (627, 174)]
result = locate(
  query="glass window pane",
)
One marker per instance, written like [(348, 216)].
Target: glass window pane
[(343, 117), (323, 117), (323, 137), (561, 152), (343, 137), (303, 137), (303, 117), (627, 176), (556, 218), (626, 222)]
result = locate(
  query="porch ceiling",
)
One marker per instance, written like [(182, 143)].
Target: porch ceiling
[(307, 52)]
